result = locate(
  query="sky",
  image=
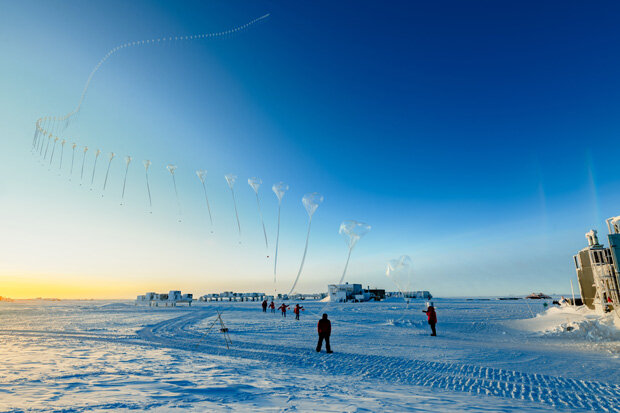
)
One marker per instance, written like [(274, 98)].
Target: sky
[(479, 138)]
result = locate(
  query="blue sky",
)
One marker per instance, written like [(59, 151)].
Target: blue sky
[(477, 137)]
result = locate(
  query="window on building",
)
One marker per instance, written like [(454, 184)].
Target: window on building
[(577, 263)]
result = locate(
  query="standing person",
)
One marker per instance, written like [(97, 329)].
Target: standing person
[(272, 306), (296, 310), (283, 308), (432, 317), (265, 305), (324, 328)]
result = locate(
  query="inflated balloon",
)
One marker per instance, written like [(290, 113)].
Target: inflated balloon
[(147, 165), (400, 271), (279, 189), (92, 179), (202, 175), (352, 231), (83, 162), (127, 162), (255, 183), (230, 180), (107, 173), (172, 168), (311, 202)]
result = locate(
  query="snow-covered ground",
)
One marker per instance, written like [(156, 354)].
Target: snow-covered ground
[(489, 356)]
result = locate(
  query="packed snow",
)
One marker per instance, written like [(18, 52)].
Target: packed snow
[(489, 355)]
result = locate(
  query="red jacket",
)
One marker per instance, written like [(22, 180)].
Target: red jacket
[(324, 327), (297, 309), (272, 305), (283, 308), (432, 316)]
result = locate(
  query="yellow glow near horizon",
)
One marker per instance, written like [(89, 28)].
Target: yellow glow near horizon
[(33, 286)]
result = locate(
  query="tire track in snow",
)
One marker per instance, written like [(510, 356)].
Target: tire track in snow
[(555, 391), (558, 392)]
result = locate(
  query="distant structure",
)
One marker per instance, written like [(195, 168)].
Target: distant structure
[(232, 296), (424, 295), (300, 297), (173, 298), (538, 296), (379, 294), (342, 293), (597, 269)]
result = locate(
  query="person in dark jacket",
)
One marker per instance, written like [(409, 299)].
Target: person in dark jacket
[(264, 306), (297, 310), (432, 317), (283, 308), (272, 306), (324, 328)]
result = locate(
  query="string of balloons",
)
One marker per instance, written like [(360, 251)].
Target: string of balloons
[(47, 129), (352, 231), (50, 125)]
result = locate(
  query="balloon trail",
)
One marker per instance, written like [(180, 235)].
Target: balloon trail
[(230, 180), (311, 203), (147, 164), (92, 179), (202, 175), (62, 151), (127, 162), (53, 150), (255, 183), (172, 168), (73, 146), (83, 161), (107, 173), (279, 189)]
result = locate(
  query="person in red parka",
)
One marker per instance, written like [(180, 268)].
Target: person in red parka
[(264, 306), (324, 328), (297, 309), (432, 317), (283, 308), (272, 306)]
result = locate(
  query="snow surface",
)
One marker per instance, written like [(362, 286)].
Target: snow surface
[(489, 356)]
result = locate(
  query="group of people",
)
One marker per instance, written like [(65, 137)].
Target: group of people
[(272, 306), (324, 326)]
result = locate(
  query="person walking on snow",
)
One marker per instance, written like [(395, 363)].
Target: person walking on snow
[(283, 308), (264, 306), (296, 310), (272, 306), (432, 317), (324, 328)]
